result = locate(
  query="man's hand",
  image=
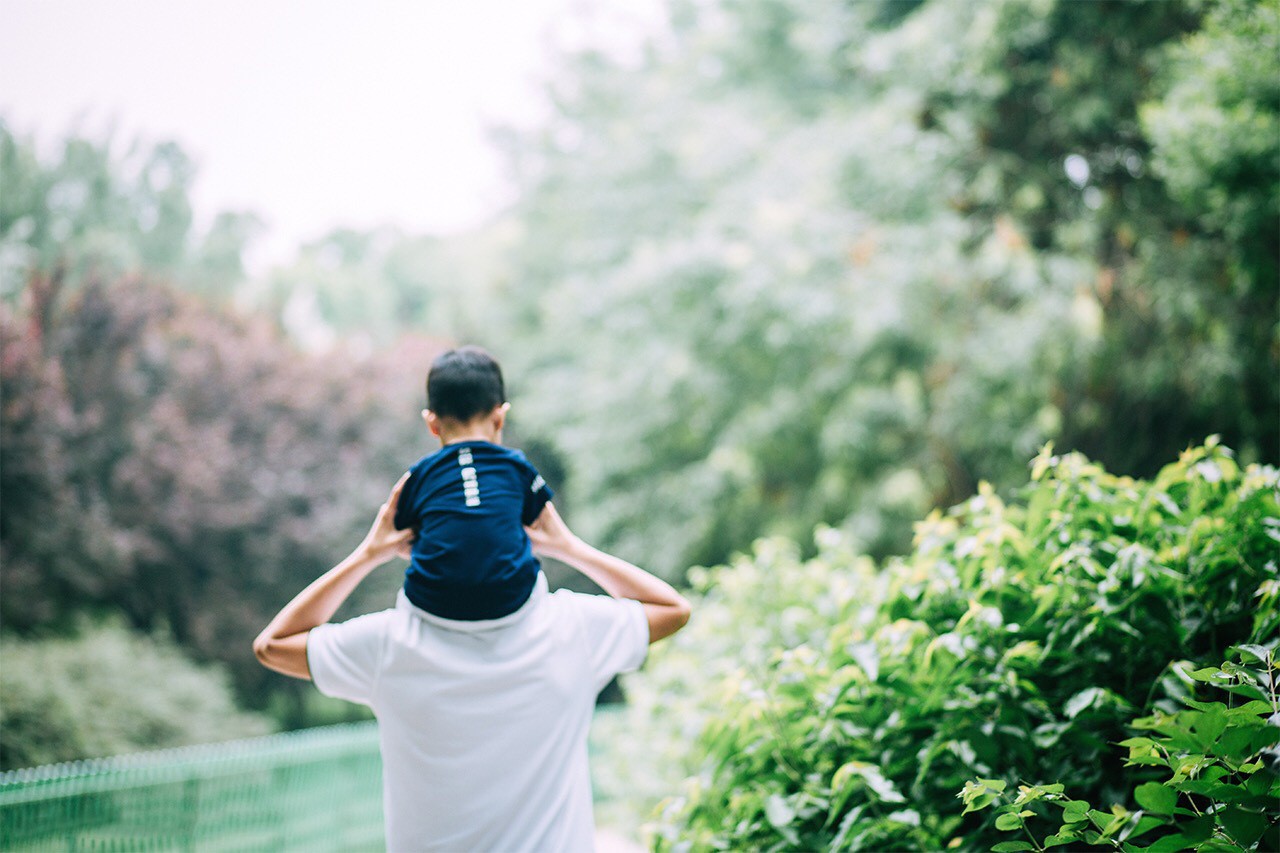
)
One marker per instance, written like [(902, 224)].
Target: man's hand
[(666, 610), (282, 645), (549, 535), (383, 541)]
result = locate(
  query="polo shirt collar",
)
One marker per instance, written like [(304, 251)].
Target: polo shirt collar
[(476, 625)]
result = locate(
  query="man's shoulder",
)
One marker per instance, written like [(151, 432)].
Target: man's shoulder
[(365, 626), (614, 631), (592, 605), (344, 658)]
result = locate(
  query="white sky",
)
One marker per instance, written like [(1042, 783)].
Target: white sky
[(314, 114)]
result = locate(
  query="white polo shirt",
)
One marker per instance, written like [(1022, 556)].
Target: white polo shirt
[(483, 725)]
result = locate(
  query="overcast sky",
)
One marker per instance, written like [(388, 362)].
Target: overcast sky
[(314, 114)]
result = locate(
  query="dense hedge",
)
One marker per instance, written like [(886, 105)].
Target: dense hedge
[(837, 706)]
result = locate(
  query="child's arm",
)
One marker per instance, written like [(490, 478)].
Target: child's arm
[(282, 645), (666, 609)]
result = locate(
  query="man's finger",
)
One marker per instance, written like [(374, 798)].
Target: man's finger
[(395, 490)]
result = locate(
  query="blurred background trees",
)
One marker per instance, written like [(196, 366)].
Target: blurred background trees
[(797, 263), (835, 262)]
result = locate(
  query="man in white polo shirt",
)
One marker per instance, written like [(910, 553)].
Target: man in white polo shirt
[(483, 724)]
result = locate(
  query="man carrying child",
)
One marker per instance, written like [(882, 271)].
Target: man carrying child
[(482, 680)]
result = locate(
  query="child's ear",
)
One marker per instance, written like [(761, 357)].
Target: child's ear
[(432, 421), (500, 416)]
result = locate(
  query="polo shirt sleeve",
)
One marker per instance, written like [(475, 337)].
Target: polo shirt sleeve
[(617, 635), (536, 495), (345, 659), (404, 509)]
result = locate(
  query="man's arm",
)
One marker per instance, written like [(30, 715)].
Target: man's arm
[(282, 645), (666, 610)]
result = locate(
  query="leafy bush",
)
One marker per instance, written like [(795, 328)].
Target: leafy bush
[(108, 691), (1218, 795), (1017, 641)]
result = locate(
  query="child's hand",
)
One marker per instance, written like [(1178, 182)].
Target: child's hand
[(383, 541)]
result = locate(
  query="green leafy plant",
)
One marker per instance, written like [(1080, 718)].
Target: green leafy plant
[(1214, 791), (1018, 640)]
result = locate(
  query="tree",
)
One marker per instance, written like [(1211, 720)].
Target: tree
[(183, 466), (105, 210), (836, 263)]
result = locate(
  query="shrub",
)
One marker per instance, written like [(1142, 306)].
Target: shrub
[(1213, 790), (1018, 640), (108, 691)]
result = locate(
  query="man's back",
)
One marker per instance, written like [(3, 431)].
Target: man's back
[(484, 723)]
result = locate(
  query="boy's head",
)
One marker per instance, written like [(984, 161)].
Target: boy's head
[(464, 384)]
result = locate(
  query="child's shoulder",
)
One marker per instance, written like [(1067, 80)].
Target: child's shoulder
[(492, 452), (468, 453), (432, 458)]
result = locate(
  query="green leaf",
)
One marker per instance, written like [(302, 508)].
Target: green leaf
[(1011, 846), (1106, 821), (1263, 784), (1145, 824), (1084, 699), (1060, 838), (779, 812), (884, 789), (1251, 708), (908, 817), (867, 657), (1209, 725), (1075, 811), (1244, 826), (841, 790), (1156, 798), (1260, 653), (1199, 829), (847, 824), (1008, 821), (1169, 844)]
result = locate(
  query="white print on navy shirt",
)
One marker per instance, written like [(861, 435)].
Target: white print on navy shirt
[(470, 485), (538, 483)]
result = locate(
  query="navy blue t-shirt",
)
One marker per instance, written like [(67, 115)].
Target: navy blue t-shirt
[(469, 503)]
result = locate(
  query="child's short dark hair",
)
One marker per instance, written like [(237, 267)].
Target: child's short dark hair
[(464, 383)]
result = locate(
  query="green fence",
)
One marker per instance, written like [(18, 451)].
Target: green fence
[(313, 790)]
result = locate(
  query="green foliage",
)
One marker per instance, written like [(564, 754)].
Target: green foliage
[(1214, 133), (783, 327), (99, 208), (1214, 791), (1215, 137), (63, 699), (833, 263), (185, 467), (837, 707), (370, 287)]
